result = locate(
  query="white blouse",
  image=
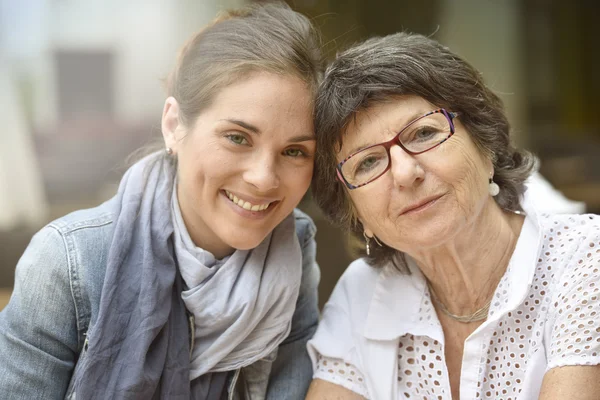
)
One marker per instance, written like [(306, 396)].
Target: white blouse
[(544, 314)]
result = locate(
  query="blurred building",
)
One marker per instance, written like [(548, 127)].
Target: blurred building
[(22, 199)]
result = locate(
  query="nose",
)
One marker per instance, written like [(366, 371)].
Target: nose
[(262, 173), (405, 168)]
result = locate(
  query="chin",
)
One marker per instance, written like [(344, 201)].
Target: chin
[(430, 235), (247, 241)]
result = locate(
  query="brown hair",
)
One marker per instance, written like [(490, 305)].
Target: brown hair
[(408, 64), (268, 37), (261, 37)]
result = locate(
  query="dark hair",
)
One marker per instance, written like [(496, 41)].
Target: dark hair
[(268, 37), (381, 68)]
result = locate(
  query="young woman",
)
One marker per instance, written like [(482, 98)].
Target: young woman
[(198, 279)]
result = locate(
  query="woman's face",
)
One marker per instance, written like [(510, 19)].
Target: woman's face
[(423, 200), (245, 163)]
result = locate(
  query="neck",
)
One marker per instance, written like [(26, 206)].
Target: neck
[(465, 271)]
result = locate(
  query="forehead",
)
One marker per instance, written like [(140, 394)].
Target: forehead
[(265, 100), (261, 88), (381, 121)]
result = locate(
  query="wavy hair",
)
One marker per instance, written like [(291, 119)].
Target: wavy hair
[(381, 68)]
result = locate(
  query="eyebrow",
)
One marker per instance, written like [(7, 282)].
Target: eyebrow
[(254, 129), (244, 125), (302, 138)]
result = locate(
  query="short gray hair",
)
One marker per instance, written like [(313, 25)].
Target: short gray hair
[(381, 68)]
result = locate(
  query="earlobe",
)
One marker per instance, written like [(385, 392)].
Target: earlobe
[(170, 123)]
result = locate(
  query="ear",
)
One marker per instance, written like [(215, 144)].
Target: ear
[(170, 124)]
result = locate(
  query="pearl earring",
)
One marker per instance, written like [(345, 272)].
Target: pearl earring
[(169, 151), (367, 243), (493, 188)]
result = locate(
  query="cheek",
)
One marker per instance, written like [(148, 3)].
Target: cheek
[(189, 168), (198, 177), (468, 176), (208, 161), (298, 180), (370, 205)]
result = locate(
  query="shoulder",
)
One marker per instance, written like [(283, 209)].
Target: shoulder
[(65, 262), (305, 227), (571, 236), (74, 232), (357, 282), (360, 270), (85, 237), (352, 295), (311, 274), (570, 224), (344, 315), (99, 218), (573, 243), (570, 247)]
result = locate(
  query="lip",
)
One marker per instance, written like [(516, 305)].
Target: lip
[(248, 213), (250, 199), (421, 205)]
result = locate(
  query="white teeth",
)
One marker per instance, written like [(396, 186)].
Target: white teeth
[(246, 205)]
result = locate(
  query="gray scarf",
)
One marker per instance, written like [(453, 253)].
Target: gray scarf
[(139, 346), (242, 305)]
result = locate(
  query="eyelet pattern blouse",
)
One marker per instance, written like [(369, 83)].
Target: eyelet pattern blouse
[(552, 322)]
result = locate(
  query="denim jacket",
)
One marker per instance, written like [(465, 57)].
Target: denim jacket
[(55, 303)]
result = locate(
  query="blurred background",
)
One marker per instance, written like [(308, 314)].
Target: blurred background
[(80, 90)]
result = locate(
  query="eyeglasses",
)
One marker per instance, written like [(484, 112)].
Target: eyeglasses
[(421, 135)]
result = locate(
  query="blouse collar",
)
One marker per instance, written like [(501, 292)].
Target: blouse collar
[(401, 303)]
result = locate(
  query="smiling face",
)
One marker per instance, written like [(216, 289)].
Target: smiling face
[(245, 163), (423, 200)]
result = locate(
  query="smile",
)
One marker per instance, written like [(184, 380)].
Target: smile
[(422, 205), (246, 205)]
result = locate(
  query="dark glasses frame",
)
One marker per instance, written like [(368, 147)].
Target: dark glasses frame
[(396, 141)]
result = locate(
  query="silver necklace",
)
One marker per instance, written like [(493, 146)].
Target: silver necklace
[(478, 315)]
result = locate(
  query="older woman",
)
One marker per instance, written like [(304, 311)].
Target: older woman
[(466, 291)]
